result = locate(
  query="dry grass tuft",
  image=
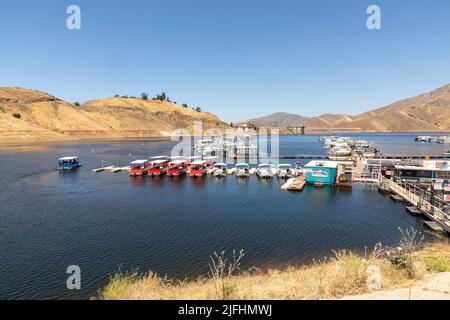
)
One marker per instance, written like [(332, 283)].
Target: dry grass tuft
[(343, 275)]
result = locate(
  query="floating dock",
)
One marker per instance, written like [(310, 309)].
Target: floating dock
[(438, 217), (298, 185), (289, 182), (396, 197), (112, 169), (413, 210), (434, 226)]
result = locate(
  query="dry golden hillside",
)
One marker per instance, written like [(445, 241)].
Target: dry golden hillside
[(328, 120), (28, 115), (426, 112)]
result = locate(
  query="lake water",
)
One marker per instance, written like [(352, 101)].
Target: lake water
[(100, 222)]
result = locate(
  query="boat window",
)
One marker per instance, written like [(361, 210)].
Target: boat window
[(416, 173)]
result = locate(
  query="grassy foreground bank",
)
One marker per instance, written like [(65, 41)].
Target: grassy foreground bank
[(345, 274)]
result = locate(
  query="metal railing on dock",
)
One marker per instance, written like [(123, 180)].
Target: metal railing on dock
[(428, 203)]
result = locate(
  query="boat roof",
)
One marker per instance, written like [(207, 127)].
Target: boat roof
[(198, 162), (420, 168), (159, 157), (323, 164), (264, 165), (220, 164), (68, 158), (242, 165), (159, 161), (139, 161), (193, 157), (210, 158), (177, 157), (287, 165), (178, 162)]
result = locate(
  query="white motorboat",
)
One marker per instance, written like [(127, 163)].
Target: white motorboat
[(220, 170), (264, 171), (242, 170), (284, 171)]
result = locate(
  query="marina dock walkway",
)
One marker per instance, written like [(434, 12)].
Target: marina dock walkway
[(411, 194)]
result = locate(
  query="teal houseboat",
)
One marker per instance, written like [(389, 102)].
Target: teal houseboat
[(321, 172)]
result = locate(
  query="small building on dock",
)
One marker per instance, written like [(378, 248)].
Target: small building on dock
[(321, 172), (429, 172), (431, 175)]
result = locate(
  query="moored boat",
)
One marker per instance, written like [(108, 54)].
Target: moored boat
[(158, 167), (176, 168), (197, 168), (299, 168), (264, 171), (68, 163), (284, 171), (138, 167), (344, 180), (242, 170), (220, 170)]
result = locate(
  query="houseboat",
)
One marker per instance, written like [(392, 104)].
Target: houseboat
[(429, 173), (138, 168), (284, 171), (197, 168), (158, 167), (68, 163), (264, 171), (176, 168), (321, 173), (242, 170), (220, 170)]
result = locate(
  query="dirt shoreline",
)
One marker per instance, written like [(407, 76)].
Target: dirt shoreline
[(431, 287)]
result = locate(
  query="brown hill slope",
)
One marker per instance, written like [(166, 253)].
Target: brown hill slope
[(426, 112), (27, 115), (328, 120)]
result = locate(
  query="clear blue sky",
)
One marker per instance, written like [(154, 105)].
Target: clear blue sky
[(235, 58)]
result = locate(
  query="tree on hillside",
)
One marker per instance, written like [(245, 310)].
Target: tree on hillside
[(77, 104), (161, 97), (198, 109), (184, 105), (144, 96)]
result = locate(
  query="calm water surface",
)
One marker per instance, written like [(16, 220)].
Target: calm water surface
[(100, 222)]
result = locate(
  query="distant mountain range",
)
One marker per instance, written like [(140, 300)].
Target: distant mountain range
[(30, 116), (426, 112), (279, 119)]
